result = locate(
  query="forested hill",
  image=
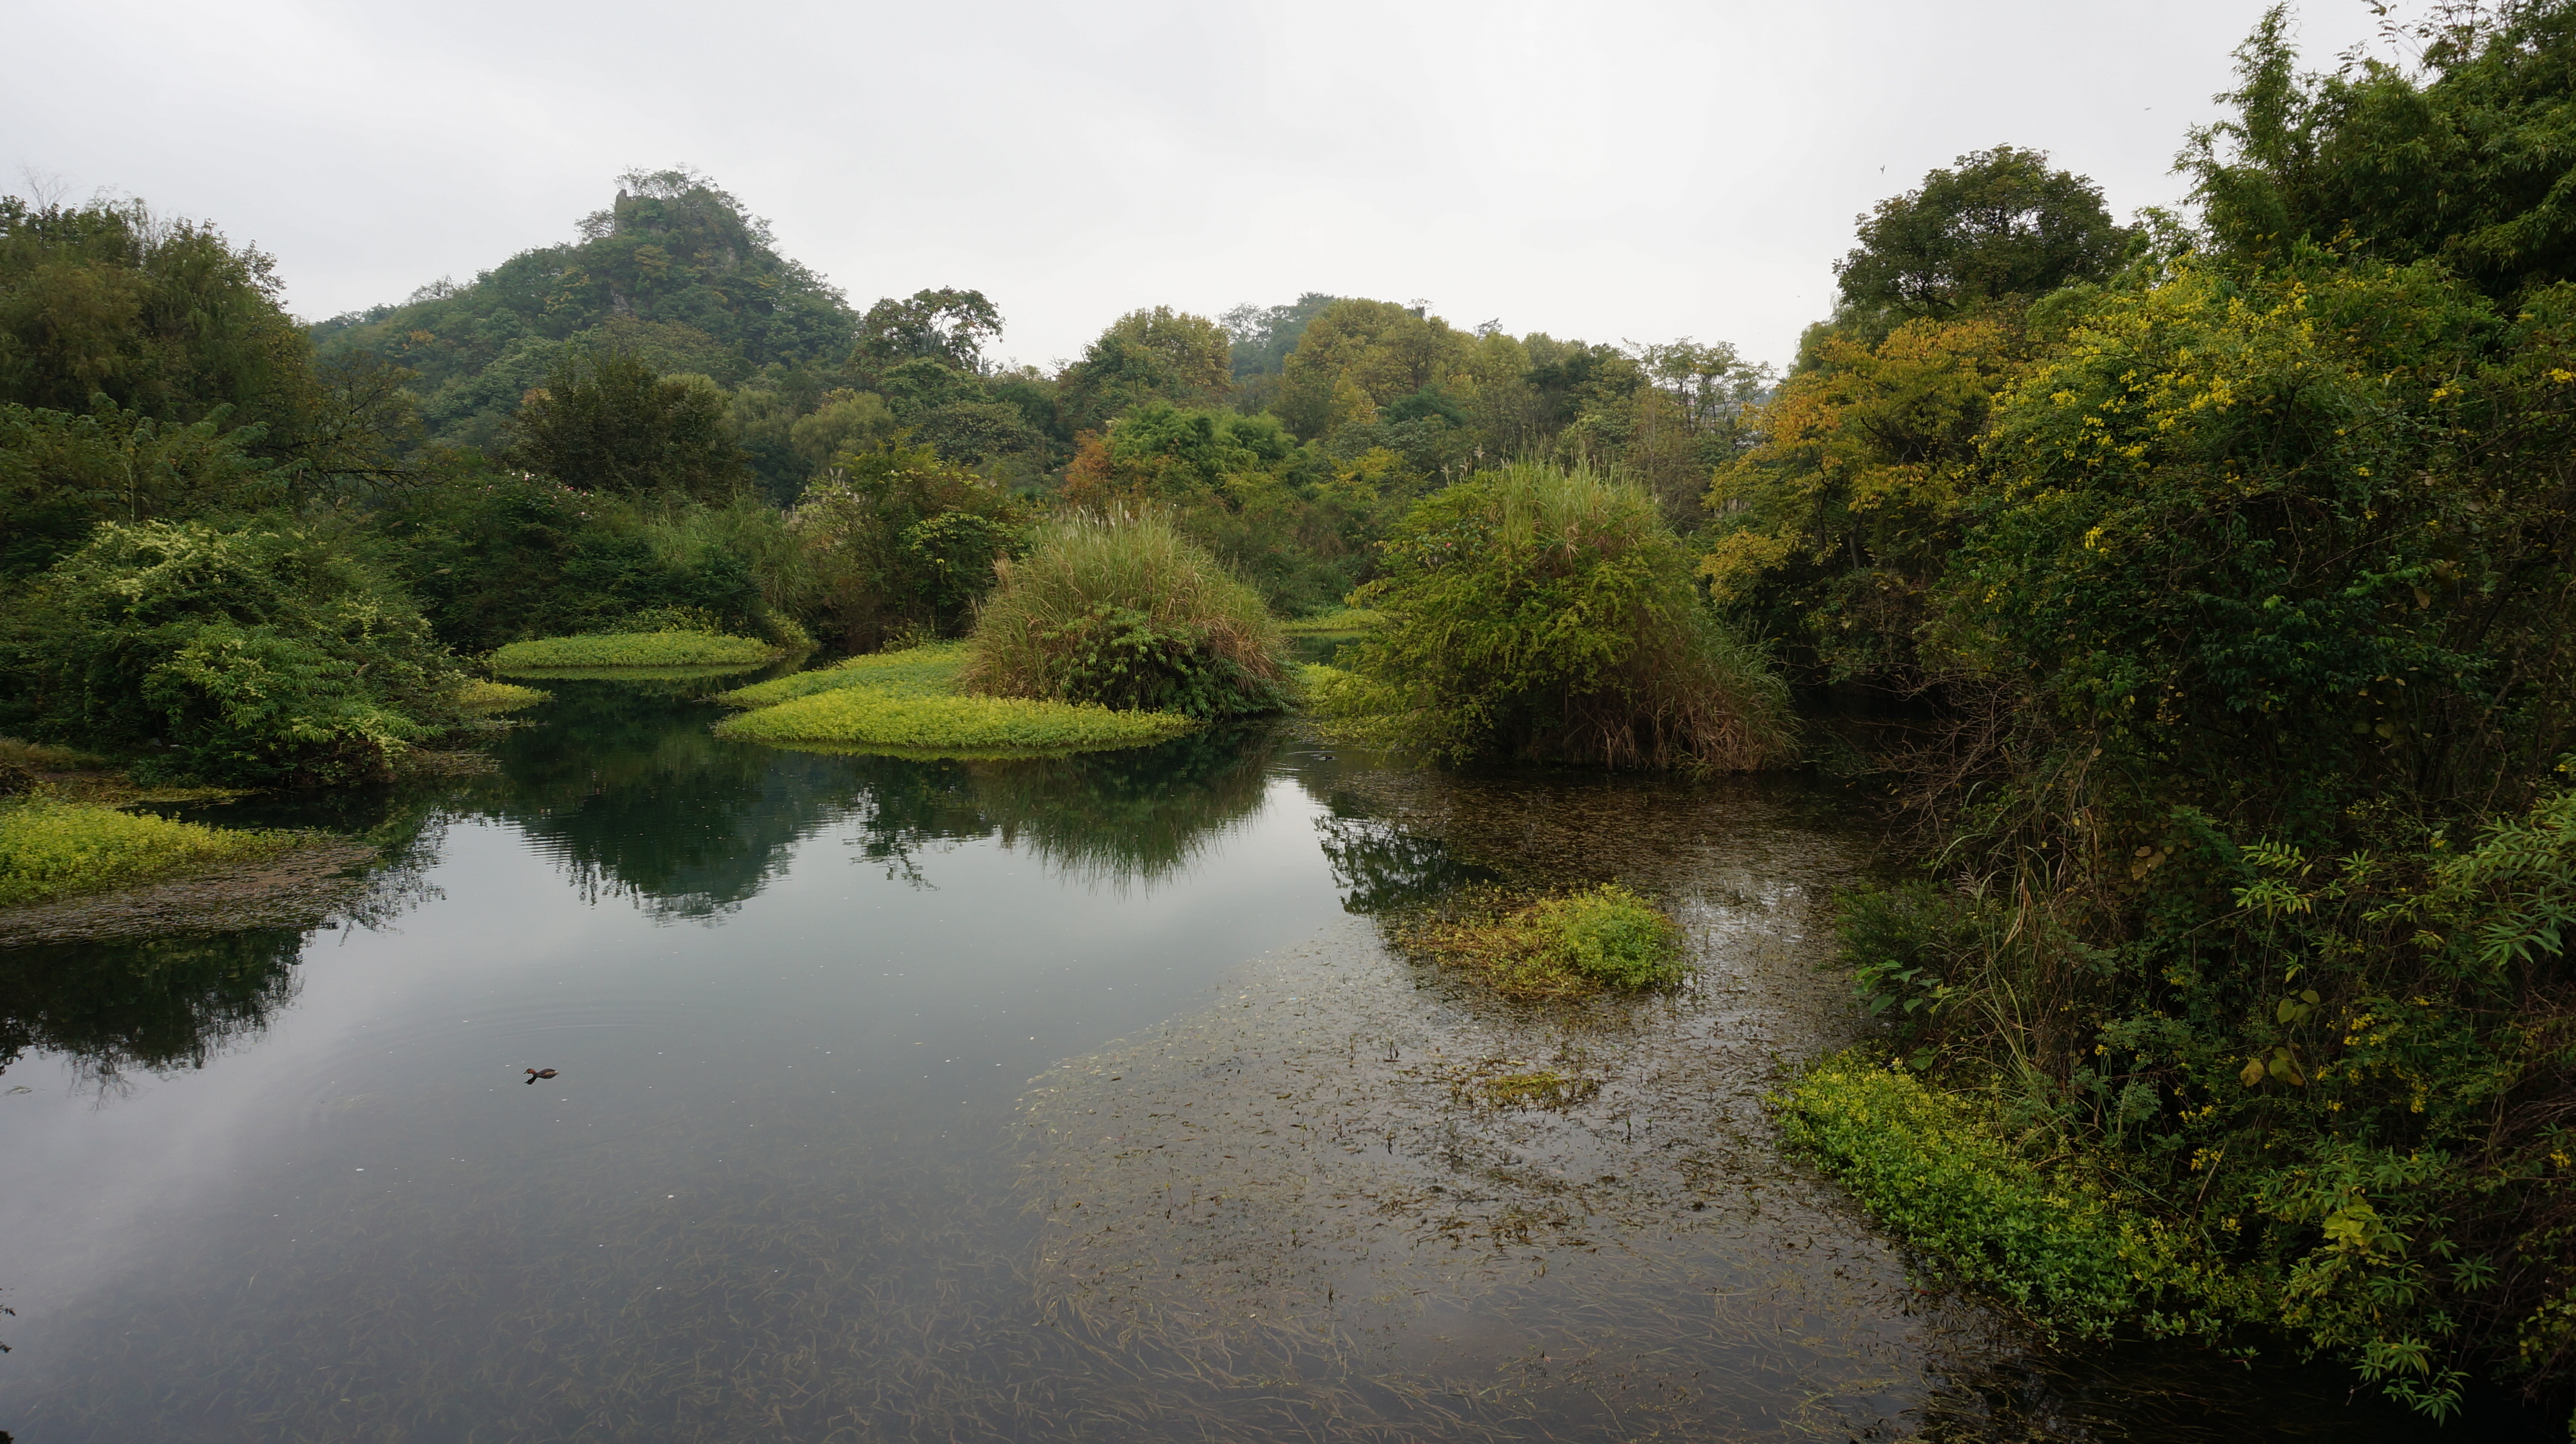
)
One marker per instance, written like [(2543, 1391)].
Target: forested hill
[(674, 272)]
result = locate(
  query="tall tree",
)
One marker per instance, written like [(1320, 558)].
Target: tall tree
[(1157, 354), (611, 423), (2465, 160), (1999, 227)]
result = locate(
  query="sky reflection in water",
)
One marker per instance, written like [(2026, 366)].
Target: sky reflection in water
[(281, 1187)]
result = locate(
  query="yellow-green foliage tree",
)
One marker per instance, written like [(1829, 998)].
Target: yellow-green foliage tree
[(1833, 526), (1152, 355)]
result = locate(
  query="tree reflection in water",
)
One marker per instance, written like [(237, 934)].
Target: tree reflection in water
[(113, 1008)]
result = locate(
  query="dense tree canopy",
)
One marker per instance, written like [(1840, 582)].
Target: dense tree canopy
[(2465, 161), (2000, 226)]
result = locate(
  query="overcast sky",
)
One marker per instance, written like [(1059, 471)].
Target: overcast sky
[(1611, 171)]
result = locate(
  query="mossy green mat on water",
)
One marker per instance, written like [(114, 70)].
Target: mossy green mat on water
[(51, 849), (903, 703), (634, 649)]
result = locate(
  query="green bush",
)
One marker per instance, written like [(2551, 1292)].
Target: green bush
[(635, 649), (269, 654), (484, 696), (51, 849), (1125, 612), (897, 537), (1541, 614)]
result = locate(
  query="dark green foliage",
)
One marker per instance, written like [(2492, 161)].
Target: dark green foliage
[(497, 559), (263, 655), (902, 538), (2463, 161), (165, 318), (1116, 656), (60, 474), (1540, 614), (610, 423), (947, 326), (2001, 226), (674, 272), (1902, 945)]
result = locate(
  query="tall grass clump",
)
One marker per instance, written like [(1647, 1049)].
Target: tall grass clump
[(1122, 610), (51, 849), (1544, 614)]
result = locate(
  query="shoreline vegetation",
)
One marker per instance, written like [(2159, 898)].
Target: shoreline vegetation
[(906, 703), (52, 849), (602, 651)]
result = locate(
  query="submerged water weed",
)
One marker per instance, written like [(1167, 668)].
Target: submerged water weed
[(483, 695), (2072, 1254), (1553, 947), (1542, 1088), (52, 849), (634, 649)]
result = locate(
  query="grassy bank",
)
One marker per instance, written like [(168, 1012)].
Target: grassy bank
[(634, 649), (905, 702), (51, 849)]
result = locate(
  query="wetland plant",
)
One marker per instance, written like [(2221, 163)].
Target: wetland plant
[(1559, 946), (52, 849), (635, 649), (1121, 610)]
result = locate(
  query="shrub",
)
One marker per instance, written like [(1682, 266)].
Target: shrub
[(1125, 612), (263, 655), (1554, 947), (635, 649), (51, 849), (1549, 615), (896, 536)]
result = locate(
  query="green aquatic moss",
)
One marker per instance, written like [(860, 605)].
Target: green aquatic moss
[(913, 672), (51, 849), (481, 695), (867, 718), (634, 649)]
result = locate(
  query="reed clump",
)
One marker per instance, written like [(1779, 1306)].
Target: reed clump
[(1122, 611)]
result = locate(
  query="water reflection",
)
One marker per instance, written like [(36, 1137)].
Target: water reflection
[(1381, 867), (168, 1003)]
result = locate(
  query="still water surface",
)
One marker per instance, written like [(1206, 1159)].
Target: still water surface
[(1075, 1099)]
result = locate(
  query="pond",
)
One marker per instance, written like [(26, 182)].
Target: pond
[(1074, 1099)]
